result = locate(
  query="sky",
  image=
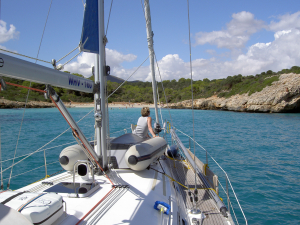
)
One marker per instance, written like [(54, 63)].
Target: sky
[(227, 37)]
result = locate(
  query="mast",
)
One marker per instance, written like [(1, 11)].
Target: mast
[(151, 56), (93, 40), (100, 103), (97, 106)]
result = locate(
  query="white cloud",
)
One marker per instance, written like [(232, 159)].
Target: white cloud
[(6, 35), (83, 65), (238, 32), (286, 22), (280, 33), (171, 67), (279, 53), (283, 52), (115, 58), (85, 61)]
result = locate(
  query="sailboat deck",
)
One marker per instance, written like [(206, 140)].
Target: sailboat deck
[(184, 174), (129, 203)]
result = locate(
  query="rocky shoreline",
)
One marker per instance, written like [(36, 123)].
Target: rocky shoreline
[(7, 104), (281, 96)]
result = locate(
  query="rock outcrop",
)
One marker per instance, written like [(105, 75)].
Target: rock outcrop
[(281, 96), (6, 104)]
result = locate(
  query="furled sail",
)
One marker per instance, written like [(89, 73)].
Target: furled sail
[(90, 35)]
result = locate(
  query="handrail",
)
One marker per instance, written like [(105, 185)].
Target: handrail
[(219, 203), (227, 178)]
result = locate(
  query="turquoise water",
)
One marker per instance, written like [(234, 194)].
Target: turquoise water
[(260, 152)]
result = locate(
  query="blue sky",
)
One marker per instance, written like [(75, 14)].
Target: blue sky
[(228, 37)]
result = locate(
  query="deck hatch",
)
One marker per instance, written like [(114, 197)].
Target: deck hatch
[(80, 190)]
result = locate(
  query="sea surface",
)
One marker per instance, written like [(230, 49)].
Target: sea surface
[(259, 152)]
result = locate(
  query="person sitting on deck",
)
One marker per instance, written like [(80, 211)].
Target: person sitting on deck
[(144, 124)]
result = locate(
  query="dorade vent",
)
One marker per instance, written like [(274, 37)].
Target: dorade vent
[(82, 169)]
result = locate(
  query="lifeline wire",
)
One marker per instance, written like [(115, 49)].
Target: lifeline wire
[(221, 169)]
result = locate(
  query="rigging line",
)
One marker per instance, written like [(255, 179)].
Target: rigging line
[(46, 143), (128, 77), (44, 30), (143, 8), (171, 178), (29, 88), (162, 121), (95, 206), (109, 17), (121, 130), (96, 162), (158, 98), (163, 89), (68, 54), (39, 151), (107, 124), (24, 56), (32, 170), (82, 146), (72, 58), (21, 86), (1, 188), (36, 150), (8, 184), (191, 70)]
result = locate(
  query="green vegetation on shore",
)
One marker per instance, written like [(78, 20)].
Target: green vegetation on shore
[(142, 91)]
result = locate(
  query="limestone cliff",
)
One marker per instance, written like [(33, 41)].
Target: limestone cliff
[(281, 96), (6, 104)]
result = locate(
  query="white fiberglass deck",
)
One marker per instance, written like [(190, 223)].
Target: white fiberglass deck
[(123, 206), (133, 202)]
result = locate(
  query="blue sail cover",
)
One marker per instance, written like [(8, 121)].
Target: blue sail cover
[(90, 35)]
